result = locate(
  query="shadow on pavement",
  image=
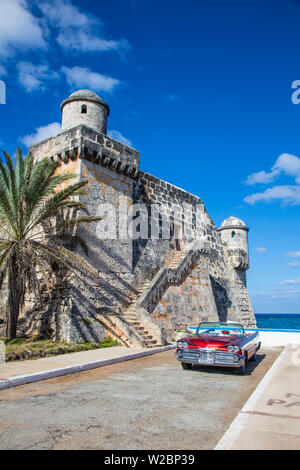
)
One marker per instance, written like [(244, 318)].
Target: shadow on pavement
[(251, 365)]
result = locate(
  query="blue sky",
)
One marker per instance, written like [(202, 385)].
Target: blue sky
[(202, 89)]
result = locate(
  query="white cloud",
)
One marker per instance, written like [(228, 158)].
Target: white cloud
[(291, 281), (84, 77), (64, 14), (286, 164), (261, 249), (19, 29), (286, 194), (118, 136), (84, 42), (293, 254), (77, 30), (293, 263), (42, 133), (33, 77), (261, 177)]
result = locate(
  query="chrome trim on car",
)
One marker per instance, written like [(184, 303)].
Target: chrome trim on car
[(210, 357)]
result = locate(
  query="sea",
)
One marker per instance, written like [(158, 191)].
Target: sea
[(278, 321)]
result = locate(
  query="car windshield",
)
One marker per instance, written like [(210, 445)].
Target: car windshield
[(220, 329)]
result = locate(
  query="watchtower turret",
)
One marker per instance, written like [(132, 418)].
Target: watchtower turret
[(84, 107), (234, 235)]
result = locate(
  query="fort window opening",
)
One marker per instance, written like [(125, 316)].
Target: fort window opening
[(232, 234), (84, 109)]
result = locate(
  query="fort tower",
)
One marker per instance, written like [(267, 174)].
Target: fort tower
[(84, 107), (234, 234)]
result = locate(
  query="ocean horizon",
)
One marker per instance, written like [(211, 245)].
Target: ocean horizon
[(280, 321)]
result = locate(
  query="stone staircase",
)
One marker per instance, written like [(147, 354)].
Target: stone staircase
[(174, 259), (130, 316), (137, 315)]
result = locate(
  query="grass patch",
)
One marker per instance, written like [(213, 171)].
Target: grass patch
[(108, 343), (32, 348)]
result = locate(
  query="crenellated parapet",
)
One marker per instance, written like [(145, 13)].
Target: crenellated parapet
[(82, 142), (239, 259)]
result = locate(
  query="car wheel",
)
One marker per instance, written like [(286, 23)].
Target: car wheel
[(241, 370), (186, 366)]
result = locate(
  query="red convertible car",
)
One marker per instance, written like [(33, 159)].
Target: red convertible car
[(224, 344)]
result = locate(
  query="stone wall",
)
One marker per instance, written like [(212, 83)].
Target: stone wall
[(111, 258), (108, 166), (212, 287), (150, 254), (188, 302)]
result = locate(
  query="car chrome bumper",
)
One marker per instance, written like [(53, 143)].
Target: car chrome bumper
[(214, 363)]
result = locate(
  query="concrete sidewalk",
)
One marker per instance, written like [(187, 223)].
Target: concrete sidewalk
[(270, 419), (17, 373)]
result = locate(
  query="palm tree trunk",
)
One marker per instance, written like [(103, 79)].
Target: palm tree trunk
[(10, 324), (14, 301)]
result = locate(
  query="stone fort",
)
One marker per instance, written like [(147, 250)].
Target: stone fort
[(147, 287)]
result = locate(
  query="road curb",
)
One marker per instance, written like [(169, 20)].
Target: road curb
[(50, 374), (238, 424)]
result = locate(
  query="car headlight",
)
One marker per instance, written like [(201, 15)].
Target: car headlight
[(182, 344), (233, 348)]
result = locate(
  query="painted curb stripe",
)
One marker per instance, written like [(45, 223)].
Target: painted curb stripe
[(50, 374)]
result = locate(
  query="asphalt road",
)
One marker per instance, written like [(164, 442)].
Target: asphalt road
[(148, 403)]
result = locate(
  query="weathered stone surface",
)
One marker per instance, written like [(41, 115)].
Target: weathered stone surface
[(84, 107), (207, 283)]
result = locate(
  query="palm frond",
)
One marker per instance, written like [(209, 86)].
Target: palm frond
[(67, 258), (51, 205), (39, 221)]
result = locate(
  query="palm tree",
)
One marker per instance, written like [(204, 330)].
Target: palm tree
[(38, 215)]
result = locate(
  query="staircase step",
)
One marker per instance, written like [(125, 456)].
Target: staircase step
[(151, 343)]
